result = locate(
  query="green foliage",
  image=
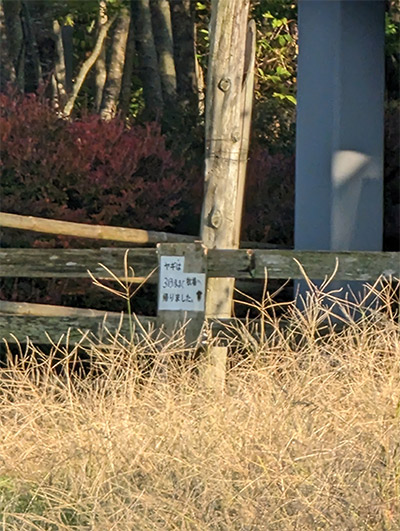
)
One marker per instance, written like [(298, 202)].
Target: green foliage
[(392, 51), (276, 49), (71, 12), (19, 500), (392, 29), (276, 68), (201, 6), (202, 15), (276, 71)]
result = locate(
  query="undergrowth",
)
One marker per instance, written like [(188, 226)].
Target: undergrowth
[(305, 436)]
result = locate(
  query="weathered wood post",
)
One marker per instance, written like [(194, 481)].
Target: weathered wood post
[(181, 289), (228, 113)]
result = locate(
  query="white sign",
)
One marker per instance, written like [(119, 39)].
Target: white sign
[(178, 290)]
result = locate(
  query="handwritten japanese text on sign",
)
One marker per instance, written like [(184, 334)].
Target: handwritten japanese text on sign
[(179, 290)]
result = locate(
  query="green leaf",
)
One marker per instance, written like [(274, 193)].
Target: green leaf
[(288, 97), (277, 23), (69, 20), (282, 71), (291, 99), (273, 79), (281, 40)]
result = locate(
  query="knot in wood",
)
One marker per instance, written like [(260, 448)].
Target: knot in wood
[(235, 136), (216, 219), (224, 84)]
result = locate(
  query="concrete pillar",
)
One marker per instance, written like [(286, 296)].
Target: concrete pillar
[(339, 153)]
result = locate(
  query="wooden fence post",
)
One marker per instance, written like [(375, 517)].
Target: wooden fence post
[(181, 289), (228, 115)]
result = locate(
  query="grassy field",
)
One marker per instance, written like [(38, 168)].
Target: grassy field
[(306, 435)]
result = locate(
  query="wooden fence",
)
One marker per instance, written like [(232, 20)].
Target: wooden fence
[(19, 320)]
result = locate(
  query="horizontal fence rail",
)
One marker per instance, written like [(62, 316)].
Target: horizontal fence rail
[(239, 264), (31, 320), (84, 230), (105, 232), (38, 322)]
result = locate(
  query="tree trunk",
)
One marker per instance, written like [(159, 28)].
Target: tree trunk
[(6, 64), (200, 83), (100, 78), (100, 66), (182, 15), (162, 27), (31, 44), (148, 64), (59, 80), (112, 87), (85, 68), (227, 130), (68, 45), (125, 96), (15, 38)]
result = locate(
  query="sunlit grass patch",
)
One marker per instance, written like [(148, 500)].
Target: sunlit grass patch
[(305, 436)]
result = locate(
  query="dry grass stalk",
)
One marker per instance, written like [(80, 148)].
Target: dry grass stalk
[(306, 436)]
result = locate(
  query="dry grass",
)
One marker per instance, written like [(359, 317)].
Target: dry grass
[(306, 435)]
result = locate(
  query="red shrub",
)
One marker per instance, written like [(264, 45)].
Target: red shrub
[(87, 170), (105, 173), (269, 200)]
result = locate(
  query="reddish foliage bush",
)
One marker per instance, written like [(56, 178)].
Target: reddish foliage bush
[(269, 201), (106, 173), (87, 170)]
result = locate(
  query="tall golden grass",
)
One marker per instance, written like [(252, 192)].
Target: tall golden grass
[(305, 436)]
